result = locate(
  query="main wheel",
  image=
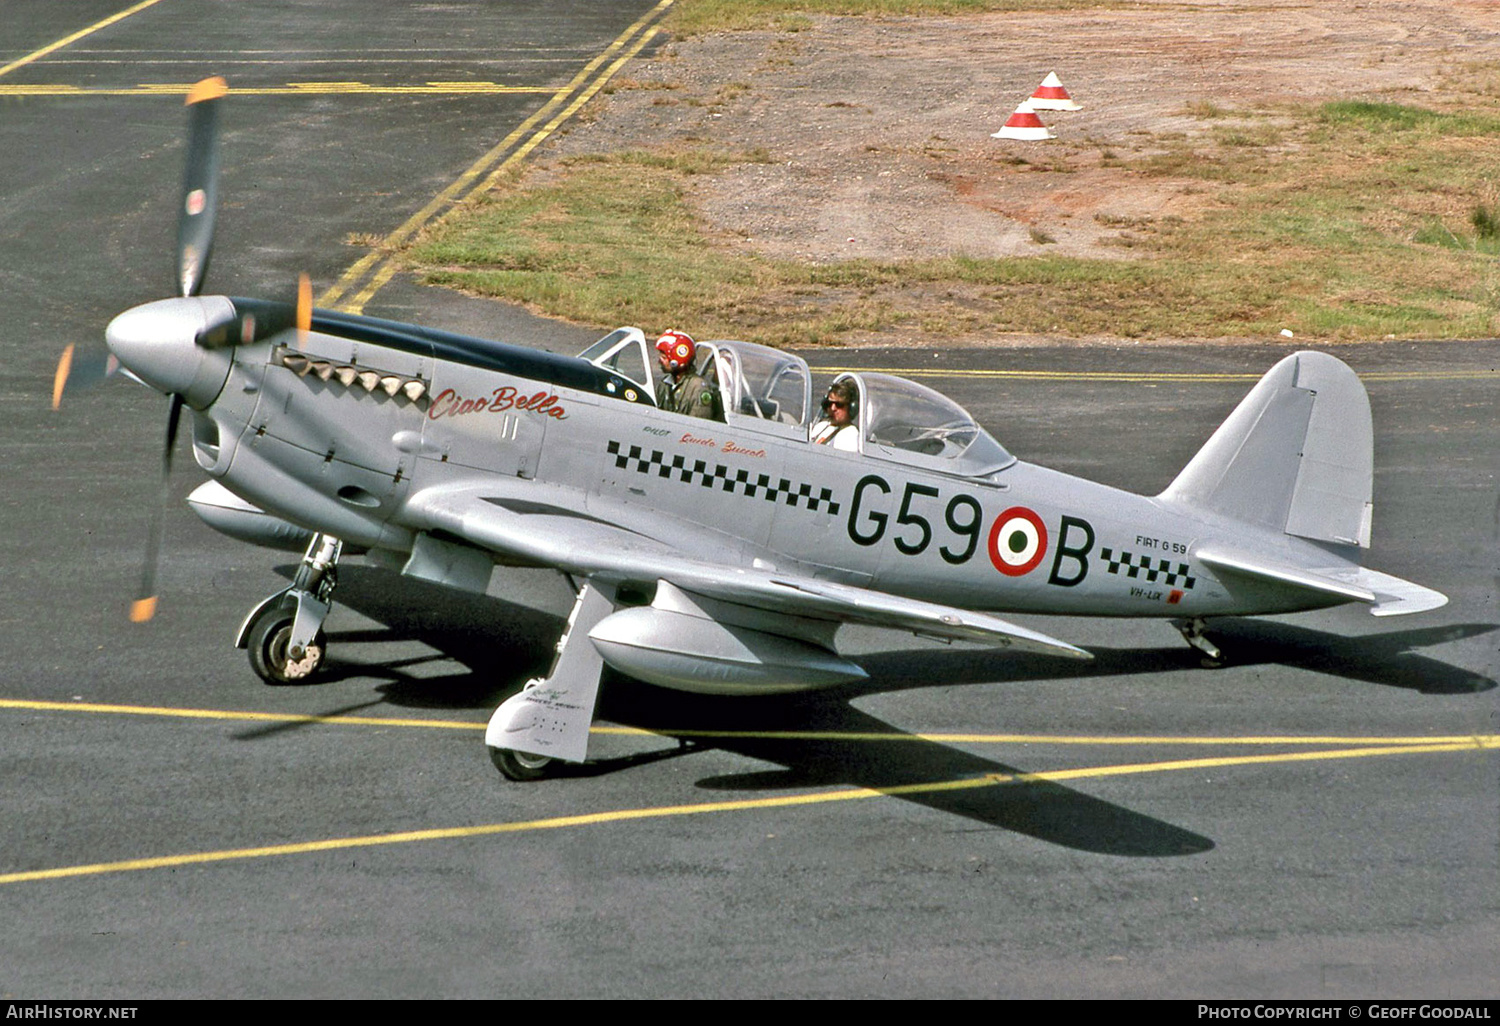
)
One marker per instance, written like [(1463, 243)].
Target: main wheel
[(520, 765), (268, 641)]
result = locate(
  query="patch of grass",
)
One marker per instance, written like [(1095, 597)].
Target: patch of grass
[(1486, 223), (1205, 109), (1484, 239), (728, 92), (1482, 77), (1184, 161), (691, 160), (1248, 135), (1127, 223), (1400, 118), (1378, 116)]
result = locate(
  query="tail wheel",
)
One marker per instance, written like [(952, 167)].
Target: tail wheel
[(268, 641), (520, 766)]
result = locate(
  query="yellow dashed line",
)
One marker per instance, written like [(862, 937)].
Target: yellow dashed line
[(662, 812)]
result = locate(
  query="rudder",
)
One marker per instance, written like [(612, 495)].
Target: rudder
[(1296, 455)]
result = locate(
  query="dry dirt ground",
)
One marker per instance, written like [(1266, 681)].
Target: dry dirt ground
[(878, 130)]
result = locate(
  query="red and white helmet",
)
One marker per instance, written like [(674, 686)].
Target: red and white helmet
[(677, 349)]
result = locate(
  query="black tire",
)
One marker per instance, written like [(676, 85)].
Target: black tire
[(521, 766), (267, 643)]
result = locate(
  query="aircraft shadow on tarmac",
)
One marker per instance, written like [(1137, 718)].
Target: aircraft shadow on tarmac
[(1388, 659), (919, 769), (501, 644)]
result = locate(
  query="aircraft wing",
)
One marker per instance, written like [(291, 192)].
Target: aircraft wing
[(540, 533)]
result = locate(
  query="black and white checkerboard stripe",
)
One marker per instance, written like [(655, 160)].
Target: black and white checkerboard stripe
[(1141, 566), (740, 481)]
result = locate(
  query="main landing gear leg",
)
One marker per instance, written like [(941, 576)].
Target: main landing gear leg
[(1194, 633), (284, 634), (550, 717)]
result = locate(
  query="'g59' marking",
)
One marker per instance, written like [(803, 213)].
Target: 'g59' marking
[(915, 519)]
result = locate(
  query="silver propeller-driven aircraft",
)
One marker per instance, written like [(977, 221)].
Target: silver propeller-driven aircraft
[(710, 556)]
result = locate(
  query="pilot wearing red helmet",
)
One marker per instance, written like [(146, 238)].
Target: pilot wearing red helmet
[(683, 389)]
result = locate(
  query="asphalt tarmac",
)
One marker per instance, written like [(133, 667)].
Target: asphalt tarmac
[(1318, 819)]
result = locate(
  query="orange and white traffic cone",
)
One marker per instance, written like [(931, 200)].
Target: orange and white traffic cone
[(1024, 124), (1051, 95)]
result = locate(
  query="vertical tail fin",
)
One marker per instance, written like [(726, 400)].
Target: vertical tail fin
[(1296, 455)]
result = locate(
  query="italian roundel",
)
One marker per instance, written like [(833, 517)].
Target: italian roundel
[(1018, 541)]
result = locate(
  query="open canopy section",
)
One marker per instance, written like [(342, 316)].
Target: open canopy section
[(763, 388), (624, 352)]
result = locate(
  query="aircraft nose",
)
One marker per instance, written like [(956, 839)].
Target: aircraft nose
[(157, 343)]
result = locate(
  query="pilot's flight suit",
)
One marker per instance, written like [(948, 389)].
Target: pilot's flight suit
[(691, 394)]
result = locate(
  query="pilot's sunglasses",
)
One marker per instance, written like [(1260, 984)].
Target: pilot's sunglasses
[(835, 404)]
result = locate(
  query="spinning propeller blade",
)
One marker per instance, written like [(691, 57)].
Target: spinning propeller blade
[(200, 186), (144, 606), (304, 309), (77, 371), (195, 241)]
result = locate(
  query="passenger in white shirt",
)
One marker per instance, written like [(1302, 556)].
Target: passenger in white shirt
[(839, 426)]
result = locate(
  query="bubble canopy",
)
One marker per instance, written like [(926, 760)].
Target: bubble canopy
[(911, 423)]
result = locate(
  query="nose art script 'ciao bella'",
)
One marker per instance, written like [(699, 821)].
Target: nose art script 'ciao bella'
[(449, 403)]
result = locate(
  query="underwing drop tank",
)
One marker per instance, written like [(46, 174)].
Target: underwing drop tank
[(676, 643)]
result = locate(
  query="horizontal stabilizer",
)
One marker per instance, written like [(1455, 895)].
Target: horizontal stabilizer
[(1276, 572), (1385, 594), (1393, 595)]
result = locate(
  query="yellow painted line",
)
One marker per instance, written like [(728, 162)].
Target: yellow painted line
[(1482, 740), (465, 185), (290, 89), (237, 715), (1141, 377), (76, 36), (744, 805), (938, 737), (383, 274), (572, 108)]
